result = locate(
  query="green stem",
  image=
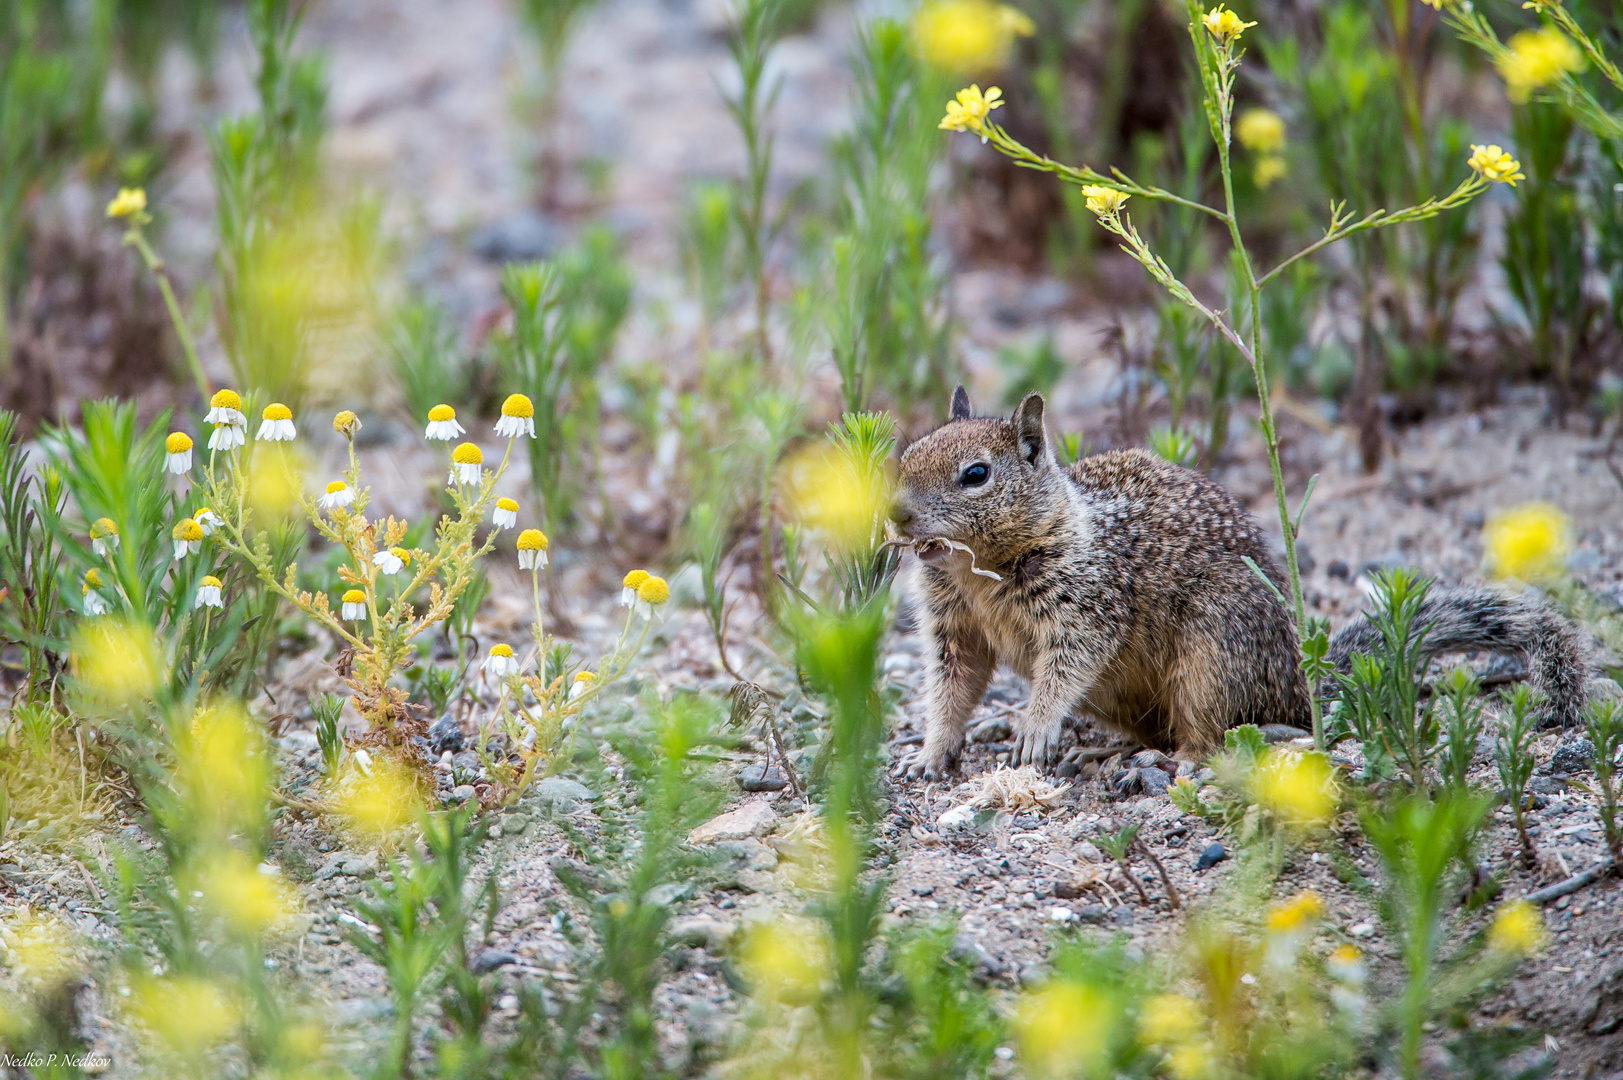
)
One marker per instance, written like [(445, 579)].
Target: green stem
[(155, 264)]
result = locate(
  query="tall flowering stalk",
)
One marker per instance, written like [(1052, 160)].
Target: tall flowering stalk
[(1216, 35)]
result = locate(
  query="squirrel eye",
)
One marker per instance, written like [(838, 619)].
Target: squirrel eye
[(974, 475)]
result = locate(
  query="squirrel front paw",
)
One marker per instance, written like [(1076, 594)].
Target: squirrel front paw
[(930, 763), (1037, 747)]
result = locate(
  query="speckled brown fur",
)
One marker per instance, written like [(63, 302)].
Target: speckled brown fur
[(1123, 593)]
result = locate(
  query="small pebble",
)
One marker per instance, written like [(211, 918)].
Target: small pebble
[(1213, 855)]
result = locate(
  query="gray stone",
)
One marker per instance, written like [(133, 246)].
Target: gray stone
[(1572, 756), (958, 819), (669, 893), (750, 819), (462, 793), (445, 734), (1093, 914), (562, 793), (488, 960), (359, 1010), (712, 935), (524, 236), (1122, 916), (762, 778), (1213, 855)]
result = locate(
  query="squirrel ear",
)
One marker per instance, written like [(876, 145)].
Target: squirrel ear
[(960, 405), (1028, 429)]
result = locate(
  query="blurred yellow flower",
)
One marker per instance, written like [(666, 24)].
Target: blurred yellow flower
[(1064, 1026), (128, 203), (251, 901), (1493, 164), (117, 661), (968, 37), (379, 801), (1168, 1019), (222, 772), (968, 112), (1295, 914), (1267, 170), (1535, 58), (825, 492), (1261, 130), (346, 423), (1102, 200), (1190, 1062), (1529, 543), (787, 959), (39, 948), (190, 1014), (1224, 25), (1517, 929), (1300, 789)]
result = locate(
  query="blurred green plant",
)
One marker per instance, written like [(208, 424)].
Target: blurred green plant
[(1603, 723), (53, 68), (32, 610), (551, 23), (567, 315), (1514, 759), (756, 27), (421, 342), (1381, 693)]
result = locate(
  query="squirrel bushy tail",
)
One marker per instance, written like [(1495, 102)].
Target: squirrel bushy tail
[(1556, 653)]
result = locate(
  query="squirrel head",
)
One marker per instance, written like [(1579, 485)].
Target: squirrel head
[(990, 483)]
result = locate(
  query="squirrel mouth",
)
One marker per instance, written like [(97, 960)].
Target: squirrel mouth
[(937, 549)]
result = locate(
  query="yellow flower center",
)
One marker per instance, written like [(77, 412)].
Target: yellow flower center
[(1529, 543), (127, 203), (654, 591), (346, 423), (335, 487), (501, 650), (225, 399), (92, 579), (278, 411), (354, 596), (210, 581), (504, 503), (1262, 130), (102, 527), (401, 553), (584, 676), (178, 442), (635, 579), (532, 540), (517, 405), (467, 454), (441, 413), (188, 529)]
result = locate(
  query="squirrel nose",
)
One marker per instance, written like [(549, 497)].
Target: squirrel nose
[(900, 512)]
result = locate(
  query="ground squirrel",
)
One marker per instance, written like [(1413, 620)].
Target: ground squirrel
[(1119, 588)]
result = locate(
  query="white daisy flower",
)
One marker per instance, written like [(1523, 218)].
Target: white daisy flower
[(500, 663), (532, 549), (467, 464), (207, 520), (225, 407), (208, 592), (277, 425), (442, 425), (188, 537), (506, 513), (103, 536), (582, 683), (391, 561), (354, 604), (629, 586), (94, 603), (178, 453), (518, 417), (338, 494)]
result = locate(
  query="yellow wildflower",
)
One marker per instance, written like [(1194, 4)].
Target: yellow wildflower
[(970, 110), (1535, 58), (252, 900), (378, 797), (518, 417), (1295, 914), (532, 549), (1268, 169), (1104, 201), (188, 1013), (787, 959), (346, 423), (1261, 130), (654, 591), (1529, 543), (1493, 164), (128, 203), (1063, 1026), (118, 661), (466, 462), (1300, 789), (1224, 25), (1168, 1019), (968, 37), (1192, 1062), (825, 491), (1517, 928)]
